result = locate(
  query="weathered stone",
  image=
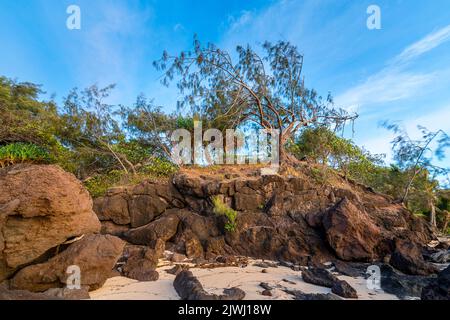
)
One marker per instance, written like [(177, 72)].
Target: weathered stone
[(408, 258), (95, 255), (42, 207), (351, 233), (163, 228)]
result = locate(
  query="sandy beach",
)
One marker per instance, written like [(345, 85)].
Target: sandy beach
[(216, 279)]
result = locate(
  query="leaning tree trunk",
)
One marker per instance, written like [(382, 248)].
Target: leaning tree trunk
[(433, 215)]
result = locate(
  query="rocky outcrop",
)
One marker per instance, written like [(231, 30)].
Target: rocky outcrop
[(324, 278), (41, 207), (279, 217), (140, 262), (94, 255), (408, 258), (439, 289), (189, 288)]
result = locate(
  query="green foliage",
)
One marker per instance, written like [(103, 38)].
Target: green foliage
[(19, 152), (321, 145), (99, 184), (221, 209), (159, 168)]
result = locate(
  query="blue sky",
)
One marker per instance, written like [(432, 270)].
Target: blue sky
[(401, 72)]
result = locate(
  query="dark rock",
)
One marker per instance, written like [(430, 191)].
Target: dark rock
[(440, 256), (265, 286), (320, 277), (299, 295), (109, 227), (163, 228), (141, 263), (267, 293), (408, 258), (350, 269), (343, 289), (438, 289), (189, 288), (145, 208), (177, 269), (193, 246), (402, 285)]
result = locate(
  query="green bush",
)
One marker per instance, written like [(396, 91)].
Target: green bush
[(221, 209), (159, 168), (20, 152)]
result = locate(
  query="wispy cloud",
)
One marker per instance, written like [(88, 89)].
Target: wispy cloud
[(424, 45), (394, 82)]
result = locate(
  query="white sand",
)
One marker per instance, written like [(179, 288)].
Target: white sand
[(217, 279)]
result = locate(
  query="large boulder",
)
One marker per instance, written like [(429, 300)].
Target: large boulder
[(351, 233), (94, 254), (408, 258), (439, 289), (41, 207), (189, 287)]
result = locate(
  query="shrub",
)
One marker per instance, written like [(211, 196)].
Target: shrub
[(221, 209), (20, 152), (159, 168)]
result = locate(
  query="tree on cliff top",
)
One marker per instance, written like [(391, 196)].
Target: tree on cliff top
[(268, 91)]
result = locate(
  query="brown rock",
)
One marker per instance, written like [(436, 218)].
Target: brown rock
[(95, 255), (163, 228), (408, 258), (141, 263), (111, 228), (351, 233), (49, 206), (145, 208), (113, 206)]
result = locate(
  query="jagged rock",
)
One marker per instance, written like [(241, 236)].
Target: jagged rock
[(324, 278), (95, 255), (42, 207), (243, 202), (193, 247), (408, 258), (438, 289), (177, 269), (350, 232), (265, 286), (350, 269), (440, 256), (300, 295), (141, 262), (109, 227), (163, 228), (189, 288), (266, 293), (343, 289), (319, 276), (402, 285)]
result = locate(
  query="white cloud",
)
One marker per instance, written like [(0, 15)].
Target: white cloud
[(393, 82), (424, 45)]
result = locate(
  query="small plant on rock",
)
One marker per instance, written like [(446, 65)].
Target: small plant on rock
[(19, 152), (222, 209)]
